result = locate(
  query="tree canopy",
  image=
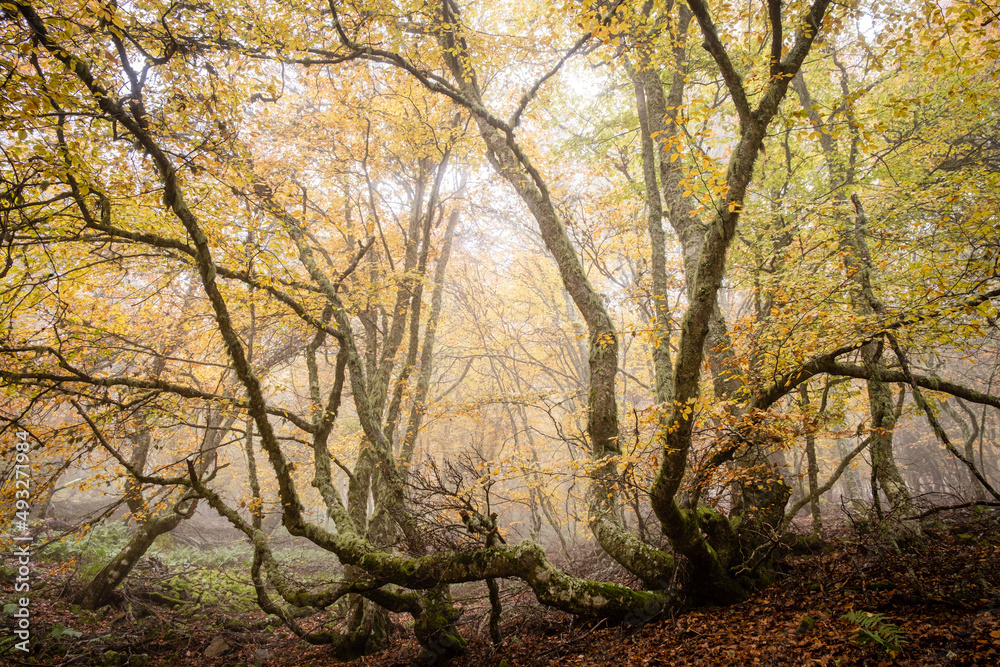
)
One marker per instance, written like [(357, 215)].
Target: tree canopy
[(451, 289)]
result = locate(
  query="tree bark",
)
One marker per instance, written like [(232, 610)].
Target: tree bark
[(840, 173), (100, 590)]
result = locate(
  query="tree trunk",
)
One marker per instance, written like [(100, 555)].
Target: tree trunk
[(970, 431), (100, 590), (883, 416), (840, 173)]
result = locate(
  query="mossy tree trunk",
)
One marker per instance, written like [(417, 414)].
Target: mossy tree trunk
[(705, 261), (100, 590), (713, 581)]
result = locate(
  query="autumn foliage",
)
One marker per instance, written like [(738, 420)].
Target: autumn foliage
[(462, 293)]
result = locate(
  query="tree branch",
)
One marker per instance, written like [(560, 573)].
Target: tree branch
[(712, 44)]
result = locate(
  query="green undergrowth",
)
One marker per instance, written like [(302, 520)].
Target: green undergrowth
[(90, 548), (205, 592)]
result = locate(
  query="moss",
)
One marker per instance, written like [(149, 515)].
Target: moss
[(435, 628), (882, 586), (111, 659), (720, 533), (803, 544), (805, 625)]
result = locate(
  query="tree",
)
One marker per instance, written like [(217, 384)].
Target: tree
[(308, 168)]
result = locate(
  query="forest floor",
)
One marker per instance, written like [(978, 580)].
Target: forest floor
[(939, 604)]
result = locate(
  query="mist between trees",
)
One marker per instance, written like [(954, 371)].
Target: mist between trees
[(467, 292)]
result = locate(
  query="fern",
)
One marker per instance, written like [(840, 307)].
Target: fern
[(872, 629)]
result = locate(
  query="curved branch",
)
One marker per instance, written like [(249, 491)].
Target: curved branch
[(183, 391), (712, 44), (834, 476), (515, 118)]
